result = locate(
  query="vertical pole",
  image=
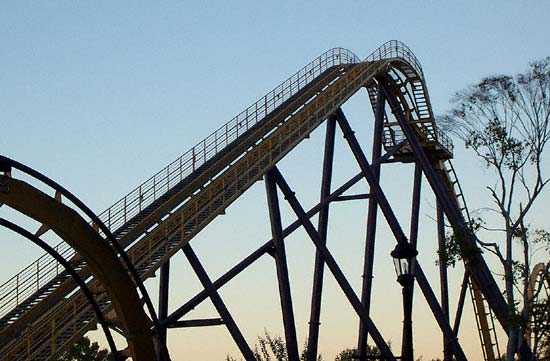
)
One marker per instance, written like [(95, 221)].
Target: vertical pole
[(163, 297), (407, 352), (282, 268), (218, 303), (444, 285), (322, 227), (395, 227), (368, 263), (480, 273), (407, 346)]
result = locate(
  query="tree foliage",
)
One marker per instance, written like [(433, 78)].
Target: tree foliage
[(348, 354), (85, 350), (505, 120), (273, 348)]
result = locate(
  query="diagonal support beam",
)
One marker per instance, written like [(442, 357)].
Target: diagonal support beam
[(331, 264), (461, 299), (218, 303), (415, 209), (476, 264), (397, 231), (368, 173), (431, 298), (282, 268), (220, 282), (268, 246)]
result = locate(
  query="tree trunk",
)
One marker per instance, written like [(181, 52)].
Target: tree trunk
[(512, 346)]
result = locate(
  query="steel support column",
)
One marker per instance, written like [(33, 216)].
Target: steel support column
[(282, 268), (266, 247), (407, 346), (368, 262), (218, 303), (332, 265), (479, 272), (461, 299), (415, 209), (322, 227), (396, 229), (443, 279), (164, 284)]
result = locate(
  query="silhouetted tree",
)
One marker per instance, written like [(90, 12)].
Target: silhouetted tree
[(505, 120), (349, 353), (273, 348), (85, 350)]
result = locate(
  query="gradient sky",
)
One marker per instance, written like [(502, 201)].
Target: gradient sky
[(100, 95)]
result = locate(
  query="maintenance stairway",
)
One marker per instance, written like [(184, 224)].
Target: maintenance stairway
[(42, 311)]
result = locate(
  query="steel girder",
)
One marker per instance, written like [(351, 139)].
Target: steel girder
[(240, 164), (103, 262), (74, 274)]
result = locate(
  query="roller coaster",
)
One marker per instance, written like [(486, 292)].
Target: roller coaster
[(95, 275)]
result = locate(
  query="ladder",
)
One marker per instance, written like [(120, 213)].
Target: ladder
[(483, 313)]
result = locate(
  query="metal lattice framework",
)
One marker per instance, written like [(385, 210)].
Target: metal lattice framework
[(42, 312)]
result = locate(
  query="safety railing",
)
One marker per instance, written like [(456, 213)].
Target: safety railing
[(444, 140), (146, 193), (394, 135), (31, 278), (195, 213), (25, 283), (28, 281), (397, 50)]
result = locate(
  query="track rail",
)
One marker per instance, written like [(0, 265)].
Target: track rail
[(146, 258), (30, 280), (159, 217)]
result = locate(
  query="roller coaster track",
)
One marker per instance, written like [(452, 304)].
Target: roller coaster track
[(441, 147), (538, 293), (42, 312)]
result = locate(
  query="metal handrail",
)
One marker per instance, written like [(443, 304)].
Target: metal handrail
[(30, 279), (393, 136), (443, 139), (22, 285), (395, 49), (146, 193)]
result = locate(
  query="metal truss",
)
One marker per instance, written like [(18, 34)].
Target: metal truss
[(115, 284), (139, 234)]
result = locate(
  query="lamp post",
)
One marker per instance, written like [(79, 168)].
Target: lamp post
[(404, 259)]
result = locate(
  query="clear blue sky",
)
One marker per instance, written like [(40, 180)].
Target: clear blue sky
[(100, 95)]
